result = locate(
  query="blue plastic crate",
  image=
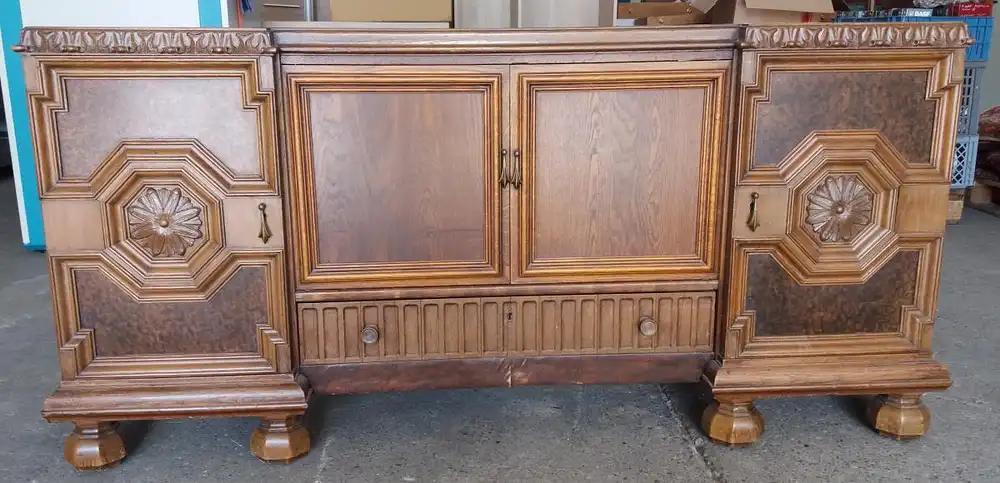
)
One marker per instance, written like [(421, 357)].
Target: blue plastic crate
[(963, 169), (980, 28)]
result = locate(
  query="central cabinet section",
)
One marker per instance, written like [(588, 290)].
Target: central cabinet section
[(450, 175)]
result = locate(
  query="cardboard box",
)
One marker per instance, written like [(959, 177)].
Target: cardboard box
[(762, 12), (390, 10), (652, 9)]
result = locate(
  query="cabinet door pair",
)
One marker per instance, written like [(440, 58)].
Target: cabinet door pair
[(459, 175)]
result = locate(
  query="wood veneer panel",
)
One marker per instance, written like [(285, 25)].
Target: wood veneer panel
[(207, 109), (611, 166), (226, 323), (783, 307), (892, 103), (399, 176)]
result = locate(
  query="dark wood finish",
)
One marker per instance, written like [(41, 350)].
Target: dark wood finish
[(761, 205), (123, 327), (849, 101), (332, 333), (783, 307), (505, 372)]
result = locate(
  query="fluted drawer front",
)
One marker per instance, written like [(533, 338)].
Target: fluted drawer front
[(332, 333)]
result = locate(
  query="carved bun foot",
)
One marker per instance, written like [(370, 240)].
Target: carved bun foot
[(732, 422), (92, 446), (280, 439), (899, 416)]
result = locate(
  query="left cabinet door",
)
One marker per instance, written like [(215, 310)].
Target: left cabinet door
[(160, 194), (395, 174)]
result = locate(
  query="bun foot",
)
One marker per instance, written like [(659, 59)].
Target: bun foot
[(732, 422), (93, 446), (281, 439), (899, 416)]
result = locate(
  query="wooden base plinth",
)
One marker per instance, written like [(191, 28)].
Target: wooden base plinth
[(899, 416), (732, 422), (281, 439), (92, 446)]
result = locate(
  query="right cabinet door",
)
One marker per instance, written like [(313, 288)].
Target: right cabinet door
[(616, 169), (843, 171)]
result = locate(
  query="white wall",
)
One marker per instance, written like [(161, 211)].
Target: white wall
[(110, 13)]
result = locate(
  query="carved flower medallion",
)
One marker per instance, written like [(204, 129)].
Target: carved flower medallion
[(839, 208), (164, 222)]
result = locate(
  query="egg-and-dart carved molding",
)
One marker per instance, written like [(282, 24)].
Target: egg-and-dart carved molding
[(46, 85), (943, 83), (41, 40), (858, 36)]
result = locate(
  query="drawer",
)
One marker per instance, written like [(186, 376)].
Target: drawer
[(428, 329)]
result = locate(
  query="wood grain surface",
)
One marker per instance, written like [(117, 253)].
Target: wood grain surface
[(399, 176), (163, 108), (783, 307), (893, 103), (611, 167), (227, 323)]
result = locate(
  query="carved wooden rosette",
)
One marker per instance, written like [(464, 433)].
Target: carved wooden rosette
[(164, 222), (839, 208)]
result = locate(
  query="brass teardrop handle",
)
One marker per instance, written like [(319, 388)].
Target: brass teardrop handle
[(265, 232), (369, 335), (515, 179), (752, 222), (504, 169), (647, 326)]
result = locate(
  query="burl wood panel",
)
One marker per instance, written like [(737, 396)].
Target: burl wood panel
[(497, 326), (103, 112), (617, 172), (785, 308), (892, 103), (399, 176), (226, 323)]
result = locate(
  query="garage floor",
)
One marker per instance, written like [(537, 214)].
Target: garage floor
[(597, 433)]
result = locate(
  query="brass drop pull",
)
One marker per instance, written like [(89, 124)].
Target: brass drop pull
[(504, 169), (647, 326), (369, 335), (752, 222), (265, 232), (515, 178)]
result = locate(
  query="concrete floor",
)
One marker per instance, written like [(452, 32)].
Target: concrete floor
[(608, 433)]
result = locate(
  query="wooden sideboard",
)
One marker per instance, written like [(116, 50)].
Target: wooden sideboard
[(236, 218)]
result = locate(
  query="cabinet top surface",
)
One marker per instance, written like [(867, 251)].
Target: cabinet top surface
[(307, 39)]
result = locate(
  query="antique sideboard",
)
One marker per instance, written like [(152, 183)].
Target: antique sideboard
[(237, 218)]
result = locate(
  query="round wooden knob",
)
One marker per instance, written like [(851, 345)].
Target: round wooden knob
[(369, 335), (647, 326)]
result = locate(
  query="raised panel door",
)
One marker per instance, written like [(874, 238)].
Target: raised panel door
[(843, 171), (618, 170), (162, 214), (395, 174)]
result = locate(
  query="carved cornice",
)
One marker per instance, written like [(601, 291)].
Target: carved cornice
[(857, 36), (144, 42)]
